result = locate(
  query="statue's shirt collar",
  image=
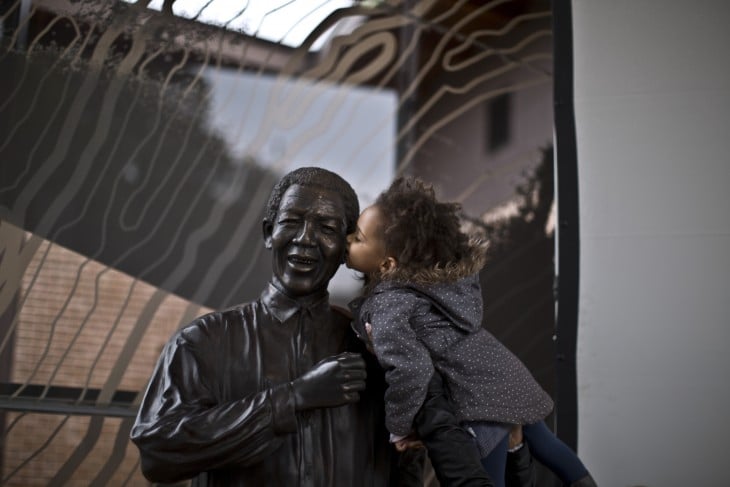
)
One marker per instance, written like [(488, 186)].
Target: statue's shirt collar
[(283, 307)]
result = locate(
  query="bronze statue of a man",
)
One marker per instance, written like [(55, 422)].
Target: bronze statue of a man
[(277, 391)]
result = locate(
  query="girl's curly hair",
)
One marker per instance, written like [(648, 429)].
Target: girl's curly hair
[(420, 231)]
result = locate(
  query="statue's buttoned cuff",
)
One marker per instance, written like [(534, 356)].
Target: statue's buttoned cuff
[(282, 406)]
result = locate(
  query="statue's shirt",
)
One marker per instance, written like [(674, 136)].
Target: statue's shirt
[(219, 406)]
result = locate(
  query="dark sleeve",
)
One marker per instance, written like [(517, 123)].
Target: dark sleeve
[(181, 430), (452, 450), (520, 470), (408, 468)]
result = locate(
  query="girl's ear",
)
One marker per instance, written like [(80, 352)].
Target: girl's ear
[(388, 264)]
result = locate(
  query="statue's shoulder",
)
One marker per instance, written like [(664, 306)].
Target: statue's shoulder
[(341, 312), (216, 324)]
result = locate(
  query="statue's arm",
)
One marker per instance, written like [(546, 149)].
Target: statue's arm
[(181, 430)]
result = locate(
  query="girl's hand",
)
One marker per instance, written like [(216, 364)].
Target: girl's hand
[(410, 441), (369, 345), (515, 437)]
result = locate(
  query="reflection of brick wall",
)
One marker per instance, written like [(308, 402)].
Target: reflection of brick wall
[(76, 317)]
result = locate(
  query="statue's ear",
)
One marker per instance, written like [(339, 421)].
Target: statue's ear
[(268, 229)]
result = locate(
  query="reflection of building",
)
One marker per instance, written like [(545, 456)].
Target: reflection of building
[(114, 160), (492, 116), (92, 335)]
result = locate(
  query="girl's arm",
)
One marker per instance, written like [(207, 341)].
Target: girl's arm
[(407, 363)]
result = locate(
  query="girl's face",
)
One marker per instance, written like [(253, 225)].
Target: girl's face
[(365, 247)]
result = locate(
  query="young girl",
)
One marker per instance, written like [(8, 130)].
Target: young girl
[(423, 306)]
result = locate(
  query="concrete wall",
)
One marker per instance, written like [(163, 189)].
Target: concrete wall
[(652, 106)]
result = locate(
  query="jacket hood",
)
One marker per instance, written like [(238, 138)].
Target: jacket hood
[(459, 302), (454, 290)]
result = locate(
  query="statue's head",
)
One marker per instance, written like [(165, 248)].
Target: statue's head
[(308, 216)]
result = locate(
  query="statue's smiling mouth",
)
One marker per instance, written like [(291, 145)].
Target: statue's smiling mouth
[(302, 262)]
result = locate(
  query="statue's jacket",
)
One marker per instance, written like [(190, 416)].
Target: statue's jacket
[(219, 407)]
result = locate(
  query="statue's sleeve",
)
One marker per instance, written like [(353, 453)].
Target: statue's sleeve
[(181, 429)]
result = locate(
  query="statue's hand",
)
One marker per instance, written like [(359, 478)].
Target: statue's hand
[(332, 382)]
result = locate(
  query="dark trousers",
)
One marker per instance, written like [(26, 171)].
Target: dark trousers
[(553, 453), (495, 463), (452, 450), (545, 447)]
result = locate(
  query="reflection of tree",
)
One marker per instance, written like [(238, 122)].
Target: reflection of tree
[(517, 282), (140, 182), (535, 203)]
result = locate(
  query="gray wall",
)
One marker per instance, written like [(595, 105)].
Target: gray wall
[(652, 106)]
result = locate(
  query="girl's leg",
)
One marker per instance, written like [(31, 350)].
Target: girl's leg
[(453, 452), (495, 463), (553, 453)]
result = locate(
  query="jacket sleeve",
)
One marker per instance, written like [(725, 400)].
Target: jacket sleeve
[(181, 429), (406, 361)]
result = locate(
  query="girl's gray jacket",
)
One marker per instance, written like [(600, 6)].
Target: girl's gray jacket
[(419, 328)]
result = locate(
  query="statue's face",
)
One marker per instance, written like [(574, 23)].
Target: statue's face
[(307, 239)]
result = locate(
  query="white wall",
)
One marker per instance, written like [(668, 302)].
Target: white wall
[(652, 106)]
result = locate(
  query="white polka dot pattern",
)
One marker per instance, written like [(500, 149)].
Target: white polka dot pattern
[(417, 329)]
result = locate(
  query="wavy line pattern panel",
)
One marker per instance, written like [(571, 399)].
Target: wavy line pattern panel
[(138, 145)]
